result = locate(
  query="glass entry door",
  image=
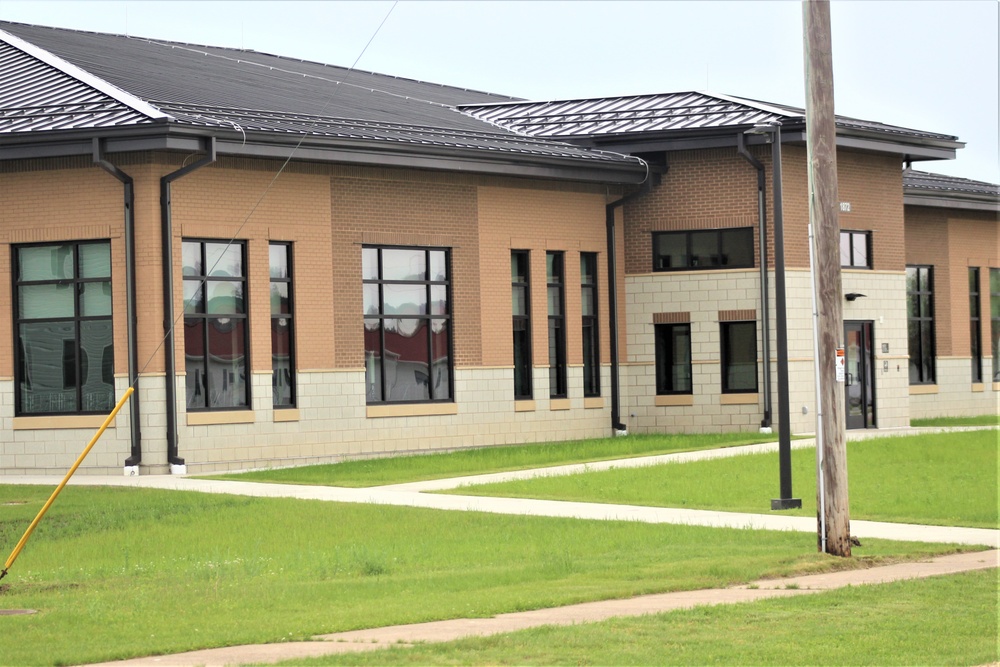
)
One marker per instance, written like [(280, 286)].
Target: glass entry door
[(859, 381)]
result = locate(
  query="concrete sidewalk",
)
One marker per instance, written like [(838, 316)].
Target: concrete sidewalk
[(589, 612), (413, 495)]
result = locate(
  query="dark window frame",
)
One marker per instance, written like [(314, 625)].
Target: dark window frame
[(590, 326), (746, 232), (975, 324), (725, 334), (203, 316), (995, 321), (916, 317), (665, 362), (76, 283), (557, 322), (289, 324), (852, 236), (522, 324), (427, 317)]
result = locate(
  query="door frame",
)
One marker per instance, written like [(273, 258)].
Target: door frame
[(866, 381)]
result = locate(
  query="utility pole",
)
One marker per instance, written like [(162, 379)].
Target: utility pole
[(821, 145)]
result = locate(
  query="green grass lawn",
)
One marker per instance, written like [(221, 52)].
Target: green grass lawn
[(941, 479), (981, 420), (117, 572), (396, 470), (938, 621)]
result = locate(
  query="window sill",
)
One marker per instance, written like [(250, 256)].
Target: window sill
[(738, 399), (524, 406), (978, 387), (917, 389), (223, 417), (593, 403), (59, 422), (412, 410), (559, 404), (672, 400), (286, 415)]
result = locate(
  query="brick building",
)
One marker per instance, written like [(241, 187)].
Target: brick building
[(294, 263)]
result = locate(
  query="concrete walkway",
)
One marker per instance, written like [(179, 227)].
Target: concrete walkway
[(413, 495), (589, 612)]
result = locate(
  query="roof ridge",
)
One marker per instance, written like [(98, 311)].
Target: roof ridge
[(82, 76)]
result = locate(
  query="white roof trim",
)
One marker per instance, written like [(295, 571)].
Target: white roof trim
[(84, 77), (753, 104)]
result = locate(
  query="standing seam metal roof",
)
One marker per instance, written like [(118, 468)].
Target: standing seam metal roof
[(245, 91), (639, 114)]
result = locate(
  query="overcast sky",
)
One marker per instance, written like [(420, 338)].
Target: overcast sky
[(923, 64)]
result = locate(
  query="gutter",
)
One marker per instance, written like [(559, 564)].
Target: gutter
[(652, 180), (128, 186), (765, 316), (177, 465)]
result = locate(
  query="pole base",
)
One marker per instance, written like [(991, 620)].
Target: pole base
[(786, 503)]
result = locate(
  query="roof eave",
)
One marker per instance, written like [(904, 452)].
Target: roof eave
[(938, 199), (321, 149)]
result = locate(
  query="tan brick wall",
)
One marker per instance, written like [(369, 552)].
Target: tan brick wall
[(242, 199), (60, 200), (538, 221), (872, 184)]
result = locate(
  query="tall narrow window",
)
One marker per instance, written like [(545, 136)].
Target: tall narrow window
[(995, 321), (216, 336), (64, 348), (673, 358), (520, 294), (407, 320), (920, 323), (282, 329), (591, 335), (739, 357), (555, 287), (975, 325)]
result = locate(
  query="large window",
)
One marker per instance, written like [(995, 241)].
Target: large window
[(995, 321), (856, 250), (703, 249), (920, 323), (64, 351), (216, 336), (407, 324), (739, 357), (555, 289), (591, 335), (673, 358), (282, 330), (975, 325), (520, 294)]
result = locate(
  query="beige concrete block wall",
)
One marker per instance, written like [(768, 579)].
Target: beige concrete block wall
[(955, 395), (703, 295), (48, 451), (333, 424)]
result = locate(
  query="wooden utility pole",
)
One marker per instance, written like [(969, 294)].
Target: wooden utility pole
[(821, 147)]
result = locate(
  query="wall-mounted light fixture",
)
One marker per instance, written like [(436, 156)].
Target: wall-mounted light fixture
[(851, 296)]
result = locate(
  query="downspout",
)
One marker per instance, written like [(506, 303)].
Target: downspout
[(168, 299), (765, 307), (128, 186), (652, 180)]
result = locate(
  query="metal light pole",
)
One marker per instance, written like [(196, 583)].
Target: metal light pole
[(786, 501)]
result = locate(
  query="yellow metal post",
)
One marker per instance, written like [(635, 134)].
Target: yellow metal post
[(45, 508)]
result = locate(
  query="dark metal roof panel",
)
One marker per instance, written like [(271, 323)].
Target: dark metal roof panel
[(638, 114), (246, 91), (922, 180), (35, 96)]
